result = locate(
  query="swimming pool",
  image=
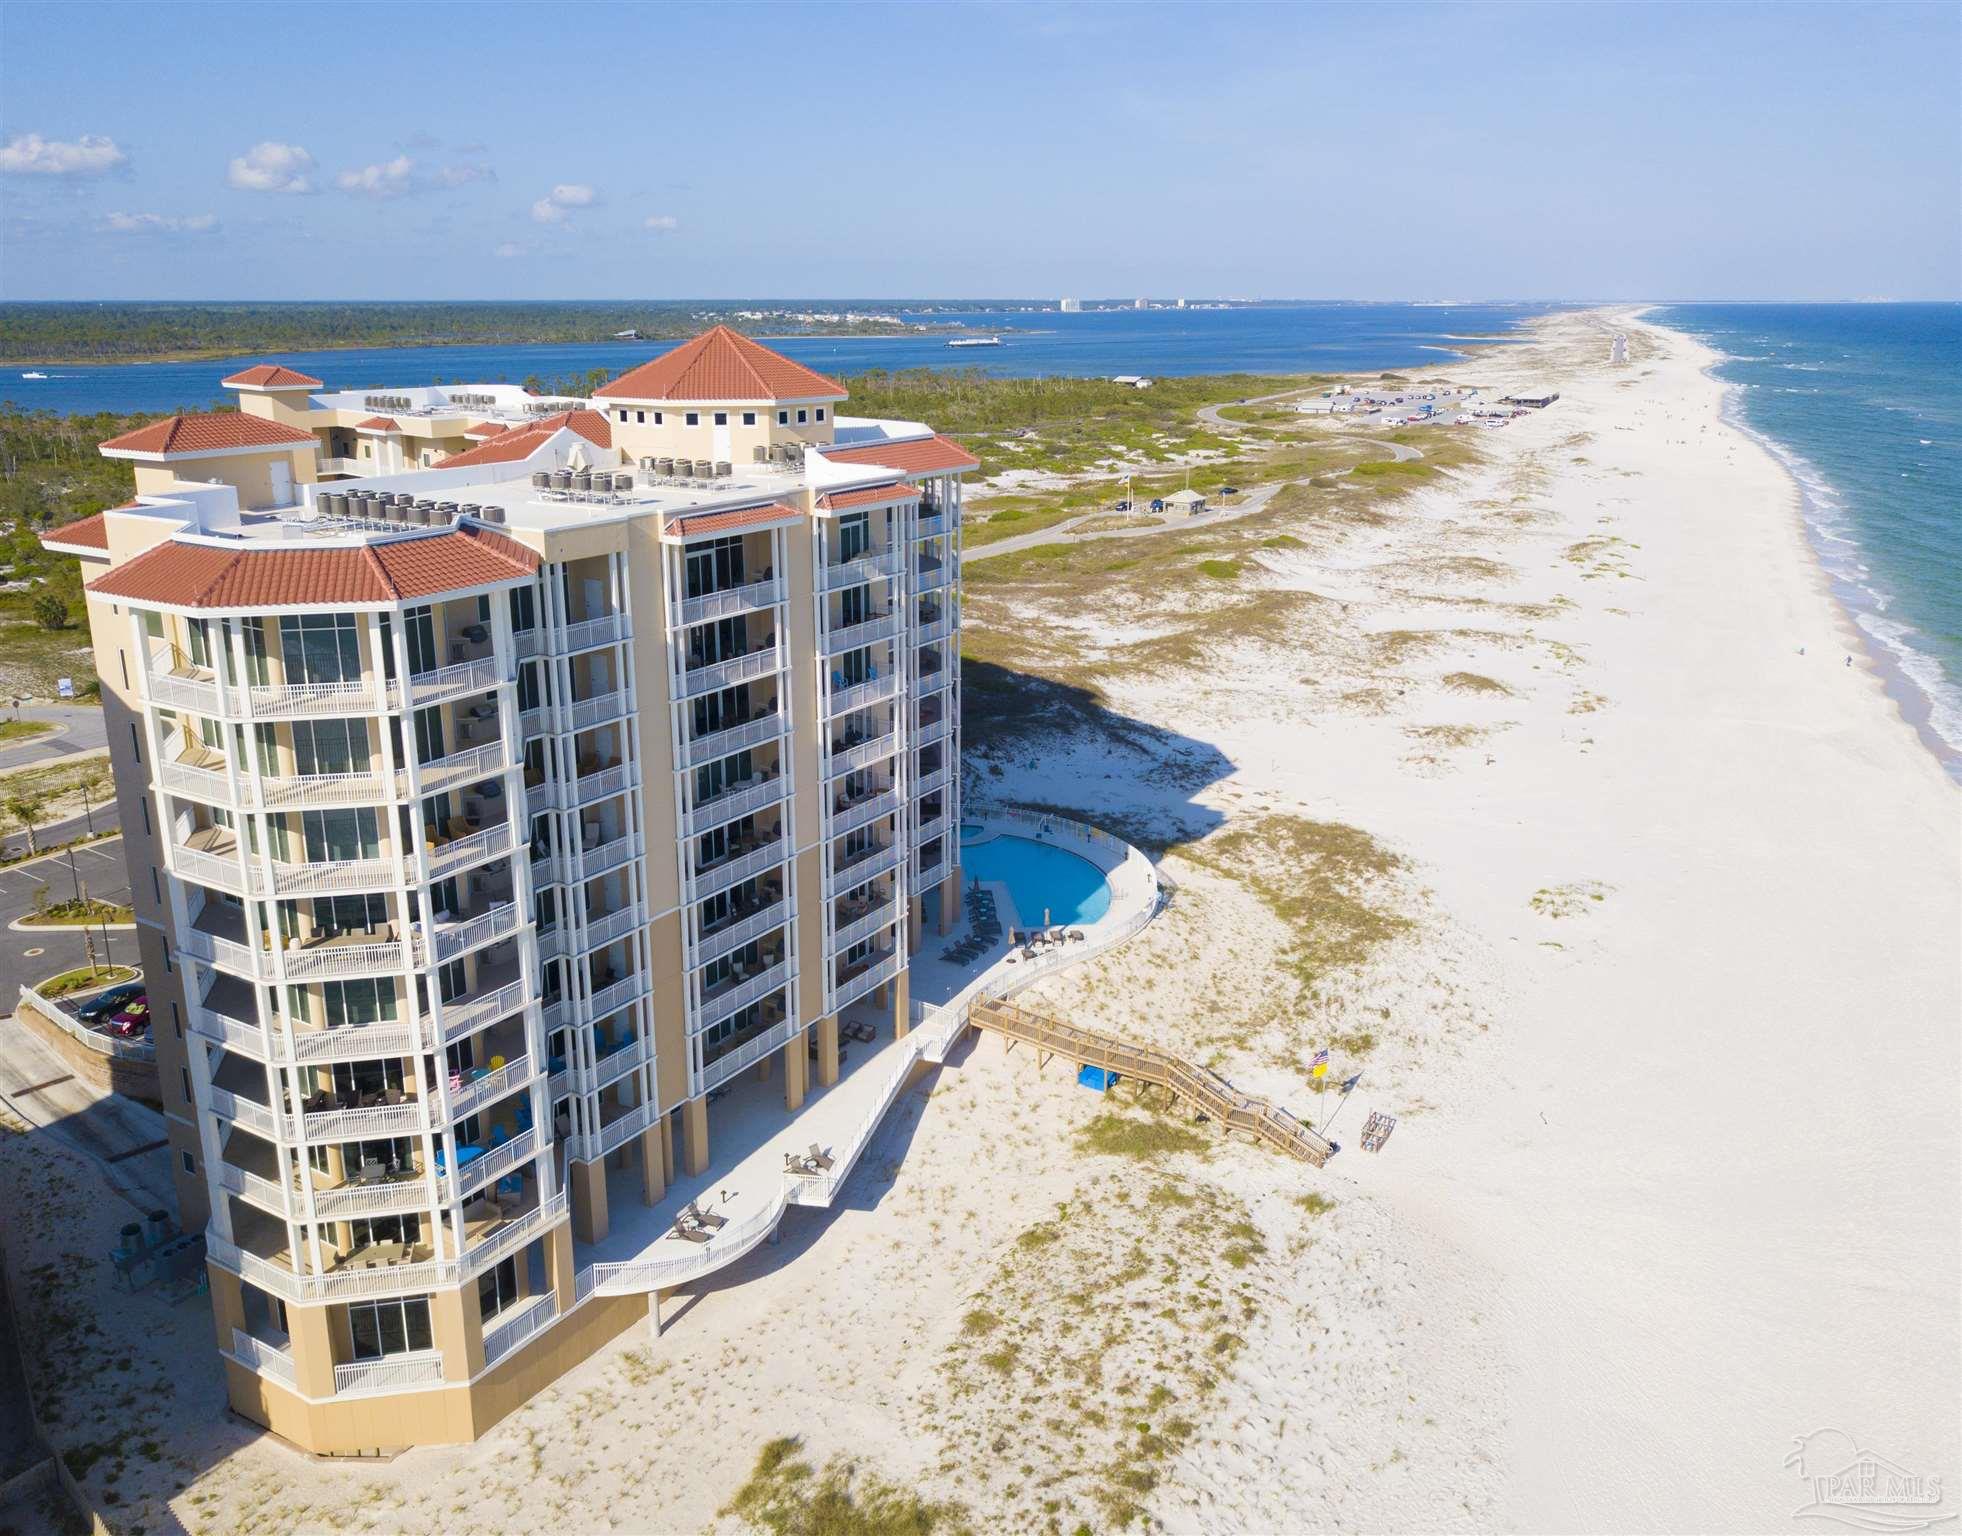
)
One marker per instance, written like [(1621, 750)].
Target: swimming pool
[(1039, 877)]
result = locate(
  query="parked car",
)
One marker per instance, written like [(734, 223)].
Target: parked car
[(1229, 490), (100, 1007)]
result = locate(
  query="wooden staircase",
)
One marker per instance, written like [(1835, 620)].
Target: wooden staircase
[(1205, 1091)]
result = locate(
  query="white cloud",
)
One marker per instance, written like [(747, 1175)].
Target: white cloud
[(28, 154), (272, 167), (661, 223), (380, 181), (509, 249), (561, 200), (160, 223)]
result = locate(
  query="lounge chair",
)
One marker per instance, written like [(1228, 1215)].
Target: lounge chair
[(819, 1157), (692, 1234), (703, 1218)]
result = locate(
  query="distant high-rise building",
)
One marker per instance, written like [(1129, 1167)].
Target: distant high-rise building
[(1070, 306), (1180, 304), (1139, 304)]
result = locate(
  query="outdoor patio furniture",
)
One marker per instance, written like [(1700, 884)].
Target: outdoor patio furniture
[(819, 1156)]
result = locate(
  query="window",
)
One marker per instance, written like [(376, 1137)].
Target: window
[(383, 1328), (692, 419), (854, 535), (144, 806), (136, 743), (749, 418), (320, 648), (722, 418), (657, 418), (820, 413), (176, 1021), (783, 418), (497, 1287), (185, 1073), (640, 418), (326, 746), (802, 415), (190, 1162), (367, 1000), (715, 566), (157, 895), (256, 670), (429, 734), (420, 625), (364, 1080), (524, 609), (350, 834), (122, 660), (623, 416)]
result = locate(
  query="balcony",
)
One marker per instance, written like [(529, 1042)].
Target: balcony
[(852, 870), (352, 952), (872, 631), (738, 993), (453, 936), (485, 1087), (494, 999), (743, 798), (842, 698), (585, 634), (854, 980), (367, 1117), (857, 751), (518, 1324), (856, 573), (613, 926), (441, 683), (735, 738), (930, 574), (746, 1051), (752, 857), (936, 629), (927, 783), (850, 815), (714, 676), (392, 1373), (305, 700), (930, 680), (465, 766), (717, 942), (729, 602), (928, 733), (468, 850), (583, 714), (880, 916), (933, 526)]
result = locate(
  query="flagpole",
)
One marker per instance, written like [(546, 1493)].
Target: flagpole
[(1348, 1089)]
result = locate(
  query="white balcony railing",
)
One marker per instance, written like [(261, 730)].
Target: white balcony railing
[(862, 867), (266, 1359), (589, 787), (737, 738), (751, 1051), (468, 1014), (869, 632), (325, 876), (613, 926), (583, 714), (729, 602), (856, 573), (479, 676), (464, 767), (325, 961), (927, 783), (713, 946), (873, 808), (864, 754), (354, 1042), (404, 1119), (878, 919), (750, 990), (850, 990), (930, 527), (456, 936), (478, 1092), (518, 1324), (607, 629), (240, 959), (938, 629), (721, 876), (609, 855), (714, 676), (420, 1368), (931, 680), (743, 799), (843, 700), (376, 1197), (497, 1162), (474, 848), (613, 997), (259, 1118), (936, 730)]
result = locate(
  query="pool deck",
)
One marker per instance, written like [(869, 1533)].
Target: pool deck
[(750, 1130)]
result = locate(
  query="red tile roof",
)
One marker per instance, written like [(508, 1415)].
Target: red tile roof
[(378, 424), (206, 431), (401, 570), (86, 532), (487, 429), (721, 365), (701, 524), (591, 425), (273, 376), (867, 496), (511, 448), (920, 456)]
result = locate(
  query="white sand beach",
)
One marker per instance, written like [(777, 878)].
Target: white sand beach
[(1644, 924)]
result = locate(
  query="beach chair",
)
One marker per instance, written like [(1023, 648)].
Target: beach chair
[(819, 1157)]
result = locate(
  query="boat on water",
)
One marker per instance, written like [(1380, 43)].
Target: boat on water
[(33, 375), (975, 341)]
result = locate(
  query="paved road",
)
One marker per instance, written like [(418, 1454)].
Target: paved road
[(1210, 414), (1063, 532), (103, 818), (100, 867), (77, 728)]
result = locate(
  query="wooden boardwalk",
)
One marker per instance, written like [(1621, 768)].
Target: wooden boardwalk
[(1205, 1091)]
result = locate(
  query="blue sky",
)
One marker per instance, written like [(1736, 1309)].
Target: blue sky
[(600, 151)]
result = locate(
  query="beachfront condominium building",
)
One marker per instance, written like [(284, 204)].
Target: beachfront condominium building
[(491, 807)]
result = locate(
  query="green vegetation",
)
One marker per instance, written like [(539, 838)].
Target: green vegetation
[(787, 1497), (85, 980), (14, 732), (1117, 1135), (74, 914), (1220, 570), (131, 332)]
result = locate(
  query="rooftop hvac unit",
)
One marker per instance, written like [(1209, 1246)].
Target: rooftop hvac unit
[(492, 514)]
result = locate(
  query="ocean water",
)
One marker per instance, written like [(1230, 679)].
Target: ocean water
[(1266, 338), (1863, 402)]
